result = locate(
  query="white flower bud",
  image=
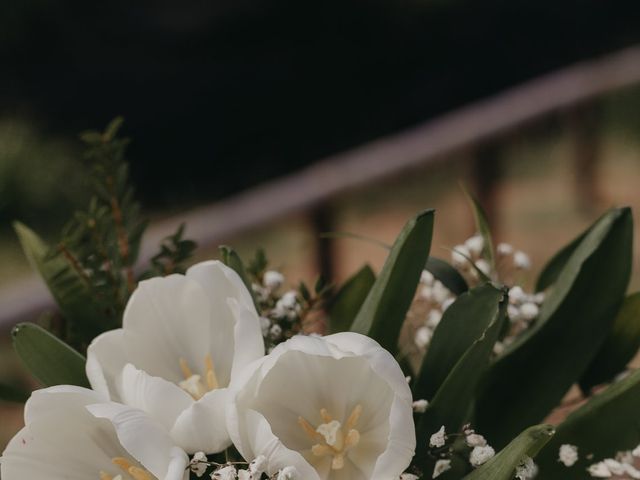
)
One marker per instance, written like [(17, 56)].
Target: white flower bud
[(288, 473), (245, 475), (433, 318), (438, 439), (480, 455), (526, 469), (420, 406), (447, 303), (458, 256), (475, 245), (441, 466), (289, 299), (198, 464), (529, 311), (521, 260), (514, 313), (483, 266), (265, 325), (272, 279), (568, 455), (517, 295), (225, 473), (275, 331), (475, 440), (440, 293), (426, 277), (504, 249), (599, 470), (423, 337)]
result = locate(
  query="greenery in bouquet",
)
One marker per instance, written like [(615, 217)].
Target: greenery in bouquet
[(225, 370)]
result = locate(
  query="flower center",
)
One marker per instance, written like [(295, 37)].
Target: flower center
[(193, 384), (130, 471), (333, 438)]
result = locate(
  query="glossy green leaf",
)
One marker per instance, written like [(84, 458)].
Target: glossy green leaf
[(608, 423), (9, 393), (451, 406), (573, 323), (383, 311), (71, 292), (619, 348), (503, 465), (449, 276), (48, 358), (461, 325), (346, 303), (482, 225), (232, 260)]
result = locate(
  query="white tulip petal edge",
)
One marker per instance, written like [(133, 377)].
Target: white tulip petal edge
[(63, 440), (184, 337), (335, 408)]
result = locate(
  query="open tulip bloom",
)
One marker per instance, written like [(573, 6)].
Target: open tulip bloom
[(64, 438), (336, 407), (183, 339)]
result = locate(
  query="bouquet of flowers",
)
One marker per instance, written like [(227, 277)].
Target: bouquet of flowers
[(428, 369)]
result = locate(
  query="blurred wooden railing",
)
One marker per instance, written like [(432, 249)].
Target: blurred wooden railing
[(477, 126)]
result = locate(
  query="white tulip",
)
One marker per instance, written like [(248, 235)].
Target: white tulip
[(336, 407), (183, 338), (62, 440)]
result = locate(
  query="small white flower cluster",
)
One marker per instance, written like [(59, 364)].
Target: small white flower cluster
[(231, 471), (526, 469), (523, 310), (480, 451), (434, 299), (280, 313), (470, 253), (623, 466)]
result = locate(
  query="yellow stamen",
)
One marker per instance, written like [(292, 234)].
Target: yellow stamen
[(322, 450), (184, 366), (354, 417), (338, 461), (326, 418), (352, 439), (122, 462), (140, 474), (212, 379), (308, 429), (105, 476)]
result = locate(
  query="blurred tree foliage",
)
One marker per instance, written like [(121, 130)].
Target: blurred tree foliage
[(236, 91)]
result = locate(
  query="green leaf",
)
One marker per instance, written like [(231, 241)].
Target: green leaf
[(503, 465), (574, 320), (482, 225), (384, 309), (554, 266), (619, 348), (232, 260), (453, 399), (9, 393), (48, 358), (608, 423), (449, 276), (346, 303), (71, 292), (452, 404), (464, 322)]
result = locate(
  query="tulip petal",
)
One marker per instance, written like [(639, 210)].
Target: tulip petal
[(247, 334), (61, 440), (220, 281), (262, 441), (167, 319), (135, 430), (105, 360), (161, 399), (202, 426)]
